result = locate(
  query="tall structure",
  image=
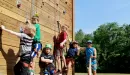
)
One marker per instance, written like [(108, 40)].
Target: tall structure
[(14, 13)]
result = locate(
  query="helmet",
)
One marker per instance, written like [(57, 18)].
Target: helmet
[(48, 46), (35, 15)]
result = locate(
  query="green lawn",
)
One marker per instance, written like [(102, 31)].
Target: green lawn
[(101, 74)]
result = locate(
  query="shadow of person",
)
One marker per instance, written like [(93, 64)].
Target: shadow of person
[(9, 56)]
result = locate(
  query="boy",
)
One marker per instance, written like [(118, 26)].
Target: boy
[(60, 42), (72, 52), (91, 54), (36, 42), (47, 61), (21, 68)]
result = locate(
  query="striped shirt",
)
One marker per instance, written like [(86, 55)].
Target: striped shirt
[(25, 43)]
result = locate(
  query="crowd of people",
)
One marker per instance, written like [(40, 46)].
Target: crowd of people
[(30, 46)]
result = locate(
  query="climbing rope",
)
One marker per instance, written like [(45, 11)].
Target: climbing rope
[(32, 8), (54, 18), (26, 17), (36, 13)]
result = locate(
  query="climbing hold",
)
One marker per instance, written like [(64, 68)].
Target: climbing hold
[(66, 2), (1, 23), (64, 12), (48, 16), (26, 22), (57, 4), (42, 3), (18, 3)]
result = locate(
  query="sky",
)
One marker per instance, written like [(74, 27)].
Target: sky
[(90, 14)]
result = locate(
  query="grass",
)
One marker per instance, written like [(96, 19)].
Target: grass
[(102, 74)]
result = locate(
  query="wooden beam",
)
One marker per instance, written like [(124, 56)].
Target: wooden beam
[(73, 20), (20, 18)]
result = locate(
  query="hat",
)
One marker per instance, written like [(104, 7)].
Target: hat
[(89, 41), (74, 42), (48, 46)]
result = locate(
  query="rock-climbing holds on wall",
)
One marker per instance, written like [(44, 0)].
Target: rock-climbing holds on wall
[(18, 3), (66, 2), (42, 3), (48, 16), (64, 12)]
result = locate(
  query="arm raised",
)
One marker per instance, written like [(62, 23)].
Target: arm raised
[(10, 31)]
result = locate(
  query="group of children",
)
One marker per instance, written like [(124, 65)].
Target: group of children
[(30, 45)]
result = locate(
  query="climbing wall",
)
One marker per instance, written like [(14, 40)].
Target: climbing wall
[(12, 17)]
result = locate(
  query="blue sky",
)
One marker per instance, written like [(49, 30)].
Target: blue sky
[(90, 14)]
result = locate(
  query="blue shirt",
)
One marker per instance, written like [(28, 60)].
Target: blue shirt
[(89, 52), (72, 52)]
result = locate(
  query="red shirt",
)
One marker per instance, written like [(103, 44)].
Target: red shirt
[(62, 36)]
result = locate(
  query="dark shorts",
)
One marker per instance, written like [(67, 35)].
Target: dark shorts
[(59, 52), (26, 58), (20, 69)]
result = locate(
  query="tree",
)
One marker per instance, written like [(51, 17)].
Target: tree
[(112, 43), (79, 35)]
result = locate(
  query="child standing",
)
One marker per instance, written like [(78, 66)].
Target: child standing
[(72, 52), (21, 68), (61, 40), (91, 54), (47, 61)]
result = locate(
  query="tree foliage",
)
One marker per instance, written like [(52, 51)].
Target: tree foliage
[(112, 43), (79, 35)]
